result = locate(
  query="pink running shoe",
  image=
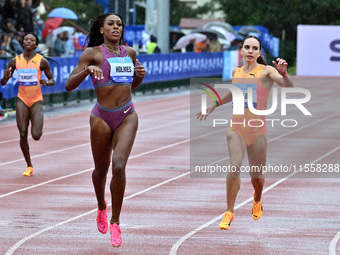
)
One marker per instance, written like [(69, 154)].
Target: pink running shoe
[(102, 222), (116, 238)]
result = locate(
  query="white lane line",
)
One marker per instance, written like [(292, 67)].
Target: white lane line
[(45, 154), (91, 169), (22, 241), (87, 144), (44, 183), (332, 245), (305, 126), (179, 242), (48, 133), (176, 246), (87, 125), (146, 130)]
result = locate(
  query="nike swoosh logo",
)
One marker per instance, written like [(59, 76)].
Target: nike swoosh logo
[(116, 241), (101, 229), (125, 111)]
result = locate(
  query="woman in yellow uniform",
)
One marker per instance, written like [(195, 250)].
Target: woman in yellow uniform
[(29, 107), (251, 139)]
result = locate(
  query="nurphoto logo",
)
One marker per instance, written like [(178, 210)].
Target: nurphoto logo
[(244, 96)]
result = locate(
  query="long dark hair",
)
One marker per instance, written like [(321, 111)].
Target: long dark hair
[(260, 59), (95, 38)]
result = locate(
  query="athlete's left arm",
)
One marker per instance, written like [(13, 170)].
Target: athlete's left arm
[(139, 70), (45, 66), (280, 74)]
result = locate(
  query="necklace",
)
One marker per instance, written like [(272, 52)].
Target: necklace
[(112, 50)]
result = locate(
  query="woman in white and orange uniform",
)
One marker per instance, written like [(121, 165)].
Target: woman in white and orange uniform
[(252, 138), (29, 107)]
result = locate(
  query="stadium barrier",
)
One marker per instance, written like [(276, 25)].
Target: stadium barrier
[(164, 71)]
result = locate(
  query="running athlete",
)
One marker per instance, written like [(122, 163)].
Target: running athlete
[(243, 138), (29, 106), (114, 71)]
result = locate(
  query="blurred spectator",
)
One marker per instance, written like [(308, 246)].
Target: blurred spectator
[(25, 17), (3, 43), (173, 40), (235, 45), (38, 24), (10, 25), (10, 10), (59, 49), (215, 46), (2, 19), (15, 44), (153, 47), (145, 42), (68, 45), (191, 46), (202, 46)]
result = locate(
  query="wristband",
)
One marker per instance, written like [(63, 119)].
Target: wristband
[(217, 103)]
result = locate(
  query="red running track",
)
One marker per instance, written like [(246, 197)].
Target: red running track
[(166, 210)]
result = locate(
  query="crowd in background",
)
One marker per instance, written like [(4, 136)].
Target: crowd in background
[(63, 46), (150, 46), (17, 17)]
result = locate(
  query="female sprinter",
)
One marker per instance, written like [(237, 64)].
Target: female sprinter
[(243, 138), (115, 71), (29, 106)]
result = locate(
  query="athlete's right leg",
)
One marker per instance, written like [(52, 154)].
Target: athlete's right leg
[(23, 116), (101, 144), (237, 148)]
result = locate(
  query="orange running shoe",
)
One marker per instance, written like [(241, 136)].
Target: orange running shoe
[(28, 172), (227, 219), (257, 210)]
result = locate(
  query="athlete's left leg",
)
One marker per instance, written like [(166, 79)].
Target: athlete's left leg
[(257, 156), (123, 139), (37, 120)]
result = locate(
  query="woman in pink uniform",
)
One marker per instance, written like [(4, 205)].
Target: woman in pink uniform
[(114, 71), (250, 139), (29, 106)]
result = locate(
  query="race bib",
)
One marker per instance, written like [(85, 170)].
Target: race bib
[(28, 77), (244, 87), (121, 69)]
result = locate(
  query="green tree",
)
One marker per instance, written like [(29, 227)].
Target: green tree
[(282, 15), (178, 10)]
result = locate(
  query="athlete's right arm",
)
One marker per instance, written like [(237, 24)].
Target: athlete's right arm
[(88, 64), (225, 99), (8, 72)]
